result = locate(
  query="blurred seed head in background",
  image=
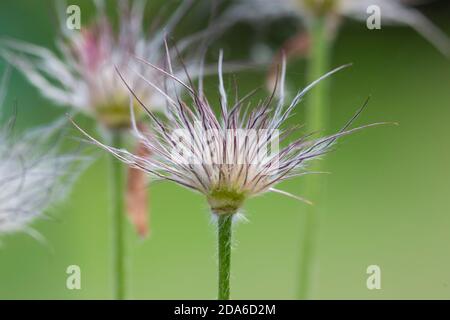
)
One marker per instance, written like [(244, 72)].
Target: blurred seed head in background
[(83, 73), (34, 174)]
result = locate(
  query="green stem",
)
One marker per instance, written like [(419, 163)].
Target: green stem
[(224, 244), (118, 223), (317, 113)]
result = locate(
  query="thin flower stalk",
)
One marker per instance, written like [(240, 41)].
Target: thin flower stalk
[(118, 226), (317, 113)]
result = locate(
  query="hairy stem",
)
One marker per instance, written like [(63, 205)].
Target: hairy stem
[(119, 252), (224, 244), (317, 113)]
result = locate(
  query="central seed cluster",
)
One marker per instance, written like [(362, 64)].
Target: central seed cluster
[(320, 7), (225, 201), (116, 115)]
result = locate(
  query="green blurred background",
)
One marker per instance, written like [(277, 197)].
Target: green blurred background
[(388, 199)]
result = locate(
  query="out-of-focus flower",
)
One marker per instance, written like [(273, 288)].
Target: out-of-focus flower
[(33, 175), (392, 12), (226, 157), (83, 73)]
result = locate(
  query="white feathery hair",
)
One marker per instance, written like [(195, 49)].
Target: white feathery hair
[(33, 175), (222, 163)]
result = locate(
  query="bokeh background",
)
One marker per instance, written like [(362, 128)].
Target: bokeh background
[(387, 203)]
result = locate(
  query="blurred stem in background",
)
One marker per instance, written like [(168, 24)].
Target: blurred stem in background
[(224, 228), (118, 221), (316, 120)]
